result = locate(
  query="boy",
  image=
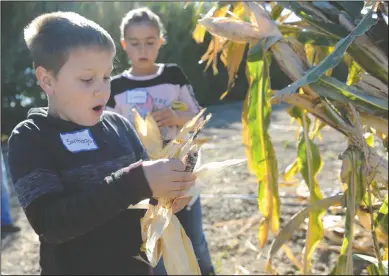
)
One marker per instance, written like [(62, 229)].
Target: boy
[(77, 168)]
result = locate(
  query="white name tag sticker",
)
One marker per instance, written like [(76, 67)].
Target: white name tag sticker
[(79, 141), (137, 96)]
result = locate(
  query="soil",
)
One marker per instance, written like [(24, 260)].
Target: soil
[(230, 212)]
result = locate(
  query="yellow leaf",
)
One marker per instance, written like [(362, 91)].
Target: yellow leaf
[(199, 33), (222, 11), (369, 139), (291, 170), (234, 53), (148, 132), (224, 95), (239, 10), (247, 141), (263, 233)]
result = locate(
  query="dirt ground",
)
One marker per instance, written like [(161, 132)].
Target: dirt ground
[(230, 212)]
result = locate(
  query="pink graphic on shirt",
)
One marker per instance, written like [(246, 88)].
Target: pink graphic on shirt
[(147, 106)]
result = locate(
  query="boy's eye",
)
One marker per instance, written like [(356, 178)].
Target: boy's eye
[(107, 78), (134, 44), (150, 43)]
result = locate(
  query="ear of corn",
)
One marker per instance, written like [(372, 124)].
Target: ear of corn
[(162, 233)]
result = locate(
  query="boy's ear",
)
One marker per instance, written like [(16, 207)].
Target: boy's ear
[(123, 43), (45, 79)]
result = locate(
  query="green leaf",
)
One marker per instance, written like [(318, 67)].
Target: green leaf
[(276, 11), (336, 90), (354, 175), (326, 7), (291, 170), (374, 262), (353, 8), (373, 270), (257, 51), (293, 224), (370, 139), (310, 164), (261, 154), (306, 36), (315, 17), (355, 73), (382, 217), (332, 60)]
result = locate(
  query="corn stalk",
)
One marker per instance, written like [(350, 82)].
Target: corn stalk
[(308, 51)]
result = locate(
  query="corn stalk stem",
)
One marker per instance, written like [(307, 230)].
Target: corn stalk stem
[(373, 233), (305, 131)]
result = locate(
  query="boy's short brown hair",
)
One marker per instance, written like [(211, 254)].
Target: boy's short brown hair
[(52, 36)]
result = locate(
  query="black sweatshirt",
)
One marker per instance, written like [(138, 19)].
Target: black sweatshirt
[(75, 184)]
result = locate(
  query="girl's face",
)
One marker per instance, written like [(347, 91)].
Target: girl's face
[(142, 43)]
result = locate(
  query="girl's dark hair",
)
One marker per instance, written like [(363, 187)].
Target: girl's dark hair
[(141, 15)]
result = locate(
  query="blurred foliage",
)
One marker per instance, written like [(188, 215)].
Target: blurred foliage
[(19, 90)]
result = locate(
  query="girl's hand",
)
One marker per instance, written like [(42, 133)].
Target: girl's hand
[(165, 117)]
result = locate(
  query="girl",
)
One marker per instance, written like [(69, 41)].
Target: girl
[(153, 87)]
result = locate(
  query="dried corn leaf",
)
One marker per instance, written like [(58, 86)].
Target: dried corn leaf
[(231, 29), (261, 18), (234, 55), (149, 133)]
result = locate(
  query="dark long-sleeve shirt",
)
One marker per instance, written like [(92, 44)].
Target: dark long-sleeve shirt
[(75, 184)]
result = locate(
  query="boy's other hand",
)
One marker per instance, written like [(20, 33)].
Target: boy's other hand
[(167, 177), (165, 117)]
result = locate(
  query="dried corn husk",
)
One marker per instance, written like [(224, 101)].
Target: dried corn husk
[(231, 29), (162, 233)]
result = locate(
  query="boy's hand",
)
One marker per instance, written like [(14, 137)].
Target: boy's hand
[(167, 177), (180, 203), (165, 117)]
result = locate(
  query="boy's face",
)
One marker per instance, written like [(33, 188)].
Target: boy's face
[(81, 88), (142, 43)]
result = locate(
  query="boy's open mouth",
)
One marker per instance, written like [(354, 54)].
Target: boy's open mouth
[(98, 108)]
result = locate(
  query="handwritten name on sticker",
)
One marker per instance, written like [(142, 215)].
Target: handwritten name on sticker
[(79, 141), (137, 96)]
